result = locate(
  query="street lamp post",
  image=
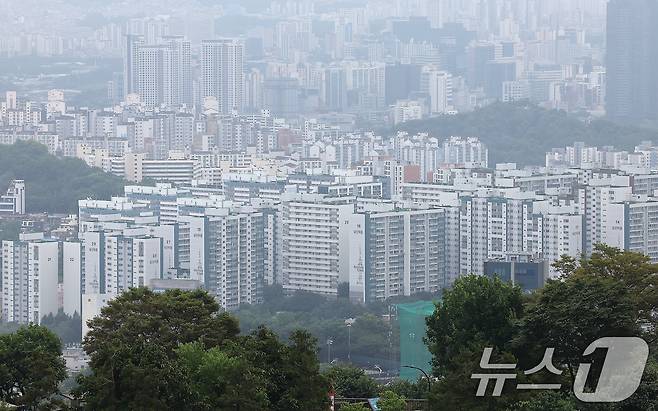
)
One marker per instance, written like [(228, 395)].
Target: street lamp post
[(329, 342), (349, 323), (429, 381)]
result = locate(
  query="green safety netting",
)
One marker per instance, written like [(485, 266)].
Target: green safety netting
[(413, 351)]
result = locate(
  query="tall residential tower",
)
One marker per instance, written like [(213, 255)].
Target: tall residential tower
[(223, 73), (632, 58)]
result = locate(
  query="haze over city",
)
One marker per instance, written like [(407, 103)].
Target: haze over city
[(328, 205)]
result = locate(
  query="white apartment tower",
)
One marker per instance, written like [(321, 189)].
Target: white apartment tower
[(14, 201), (30, 272), (160, 73), (315, 243), (633, 226), (396, 253), (438, 85), (113, 262), (593, 201), (227, 254), (223, 73), (468, 152)]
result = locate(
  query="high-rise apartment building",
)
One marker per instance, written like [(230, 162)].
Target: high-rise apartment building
[(315, 243), (160, 73), (14, 201), (438, 85), (334, 88), (396, 253), (223, 73), (130, 64), (632, 57), (30, 271), (633, 226), (227, 254)]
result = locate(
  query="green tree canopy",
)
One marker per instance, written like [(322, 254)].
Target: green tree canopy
[(186, 355), (408, 389), (390, 401), (612, 293), (477, 312), (67, 327), (135, 339), (221, 381), (569, 315), (355, 406), (374, 339), (31, 366), (351, 382)]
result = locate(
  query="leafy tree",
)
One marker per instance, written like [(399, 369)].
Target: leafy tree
[(408, 389), (477, 312), (351, 382), (68, 328), (31, 366), (634, 270), (9, 229), (307, 388), (186, 355), (374, 339), (291, 372), (220, 381), (135, 339), (612, 293), (544, 401), (273, 294), (569, 315), (355, 406), (390, 401)]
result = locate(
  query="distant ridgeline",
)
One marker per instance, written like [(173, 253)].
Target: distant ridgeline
[(52, 184), (522, 133)]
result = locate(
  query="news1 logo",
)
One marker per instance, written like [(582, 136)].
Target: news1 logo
[(620, 375)]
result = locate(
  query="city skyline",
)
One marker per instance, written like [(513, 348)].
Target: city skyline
[(320, 205)]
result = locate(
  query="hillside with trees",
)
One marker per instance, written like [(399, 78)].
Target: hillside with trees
[(522, 132), (53, 184)]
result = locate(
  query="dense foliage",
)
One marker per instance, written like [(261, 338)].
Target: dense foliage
[(522, 132), (351, 382), (477, 312), (374, 339), (186, 355), (9, 229), (54, 184), (611, 293), (31, 366), (390, 401), (354, 407), (68, 328)]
